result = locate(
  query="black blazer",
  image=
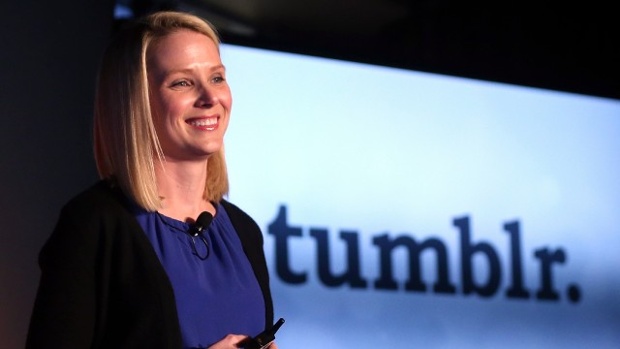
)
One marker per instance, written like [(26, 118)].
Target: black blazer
[(102, 285)]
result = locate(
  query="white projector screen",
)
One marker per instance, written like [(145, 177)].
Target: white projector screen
[(414, 210)]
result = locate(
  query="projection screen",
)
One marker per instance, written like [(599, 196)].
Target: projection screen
[(415, 210)]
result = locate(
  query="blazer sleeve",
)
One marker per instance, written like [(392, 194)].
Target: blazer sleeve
[(65, 309), (102, 285), (252, 241)]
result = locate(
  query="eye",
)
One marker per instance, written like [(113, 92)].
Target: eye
[(181, 83), (218, 79)]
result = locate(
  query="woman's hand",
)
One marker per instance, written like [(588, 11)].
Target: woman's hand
[(235, 341), (231, 341)]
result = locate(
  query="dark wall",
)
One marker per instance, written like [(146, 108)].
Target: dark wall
[(49, 52)]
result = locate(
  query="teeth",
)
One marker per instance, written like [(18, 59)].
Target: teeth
[(204, 122)]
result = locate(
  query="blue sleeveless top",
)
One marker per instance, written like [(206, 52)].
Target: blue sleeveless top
[(216, 295)]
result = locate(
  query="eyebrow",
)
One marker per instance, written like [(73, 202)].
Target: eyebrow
[(189, 70)]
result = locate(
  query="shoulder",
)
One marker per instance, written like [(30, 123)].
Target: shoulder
[(234, 210), (245, 225), (100, 209), (87, 223), (101, 200), (100, 194)]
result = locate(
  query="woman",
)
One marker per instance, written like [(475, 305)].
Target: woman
[(127, 265)]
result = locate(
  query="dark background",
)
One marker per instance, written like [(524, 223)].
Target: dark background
[(560, 45), (49, 52)]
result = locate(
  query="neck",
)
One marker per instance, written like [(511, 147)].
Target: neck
[(181, 186)]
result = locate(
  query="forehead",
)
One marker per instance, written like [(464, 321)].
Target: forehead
[(183, 47)]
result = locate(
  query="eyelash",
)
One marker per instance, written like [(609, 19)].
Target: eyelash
[(186, 83), (218, 79), (181, 83)]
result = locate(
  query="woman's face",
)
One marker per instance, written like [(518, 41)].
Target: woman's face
[(190, 98)]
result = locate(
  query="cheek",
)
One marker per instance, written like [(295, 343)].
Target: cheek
[(170, 109), (226, 98), (228, 104), (164, 112)]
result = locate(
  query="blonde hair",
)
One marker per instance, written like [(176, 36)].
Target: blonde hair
[(125, 142)]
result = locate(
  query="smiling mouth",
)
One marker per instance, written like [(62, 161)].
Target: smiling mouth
[(208, 124)]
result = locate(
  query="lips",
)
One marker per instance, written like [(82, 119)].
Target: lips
[(204, 123)]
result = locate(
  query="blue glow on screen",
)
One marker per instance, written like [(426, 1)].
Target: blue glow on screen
[(381, 153)]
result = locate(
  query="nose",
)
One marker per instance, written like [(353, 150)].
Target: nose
[(206, 98)]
